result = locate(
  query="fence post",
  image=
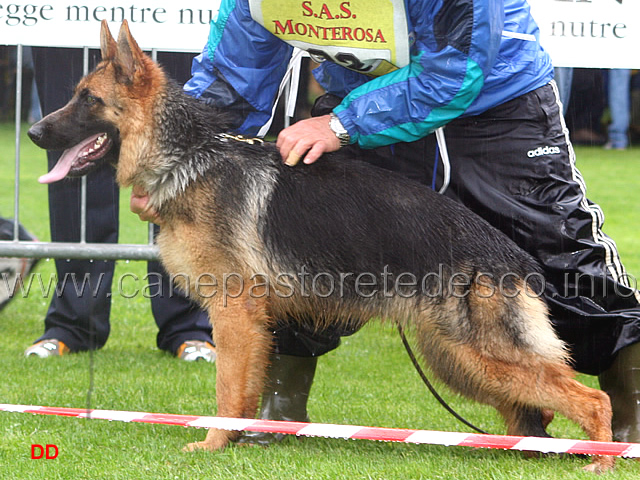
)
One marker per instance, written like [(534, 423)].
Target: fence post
[(16, 191)]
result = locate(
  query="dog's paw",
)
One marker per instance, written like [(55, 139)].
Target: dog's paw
[(206, 446), (216, 440), (601, 465)]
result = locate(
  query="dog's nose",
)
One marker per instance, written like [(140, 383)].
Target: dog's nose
[(36, 132)]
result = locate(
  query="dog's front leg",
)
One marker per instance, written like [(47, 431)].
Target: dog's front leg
[(242, 346)]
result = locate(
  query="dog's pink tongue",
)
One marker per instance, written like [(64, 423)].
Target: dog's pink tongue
[(62, 167)]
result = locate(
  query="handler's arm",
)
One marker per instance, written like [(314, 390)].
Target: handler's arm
[(240, 68), (455, 49)]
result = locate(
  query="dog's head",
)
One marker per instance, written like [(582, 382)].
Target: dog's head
[(108, 104)]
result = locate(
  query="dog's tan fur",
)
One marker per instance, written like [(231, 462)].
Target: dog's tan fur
[(482, 363)]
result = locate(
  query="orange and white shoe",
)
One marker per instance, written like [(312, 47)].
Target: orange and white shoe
[(47, 348), (194, 350)]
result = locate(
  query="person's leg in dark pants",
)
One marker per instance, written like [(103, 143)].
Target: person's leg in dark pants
[(520, 175)]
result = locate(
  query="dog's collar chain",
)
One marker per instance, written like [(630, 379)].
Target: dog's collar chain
[(240, 138)]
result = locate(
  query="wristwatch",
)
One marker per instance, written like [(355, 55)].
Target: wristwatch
[(339, 130)]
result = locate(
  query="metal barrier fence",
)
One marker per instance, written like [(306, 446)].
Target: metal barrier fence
[(62, 250)]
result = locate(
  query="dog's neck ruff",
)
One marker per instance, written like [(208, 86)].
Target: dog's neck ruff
[(172, 174), (180, 172), (171, 180)]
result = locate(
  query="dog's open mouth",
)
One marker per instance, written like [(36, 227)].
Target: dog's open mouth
[(79, 158)]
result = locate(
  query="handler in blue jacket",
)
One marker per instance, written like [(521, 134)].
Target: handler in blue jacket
[(397, 70)]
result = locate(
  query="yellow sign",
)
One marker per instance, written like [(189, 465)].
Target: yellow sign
[(369, 36)]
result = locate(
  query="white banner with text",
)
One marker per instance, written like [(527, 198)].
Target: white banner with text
[(577, 33), (161, 24), (590, 33)]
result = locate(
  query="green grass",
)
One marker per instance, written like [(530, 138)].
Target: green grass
[(367, 381)]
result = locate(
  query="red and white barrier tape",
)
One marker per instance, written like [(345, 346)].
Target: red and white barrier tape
[(533, 444)]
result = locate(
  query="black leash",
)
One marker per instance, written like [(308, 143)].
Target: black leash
[(430, 386)]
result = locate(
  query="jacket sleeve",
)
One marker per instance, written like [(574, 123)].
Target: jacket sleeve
[(240, 68), (456, 44)]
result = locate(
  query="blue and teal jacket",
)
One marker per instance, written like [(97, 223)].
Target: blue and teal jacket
[(403, 67)]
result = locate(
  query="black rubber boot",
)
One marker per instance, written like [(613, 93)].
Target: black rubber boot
[(622, 383), (285, 395)]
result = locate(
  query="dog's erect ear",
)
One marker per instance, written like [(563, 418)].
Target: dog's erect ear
[(108, 45), (129, 56)]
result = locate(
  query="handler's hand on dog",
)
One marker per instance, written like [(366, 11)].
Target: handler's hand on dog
[(139, 204), (311, 136)]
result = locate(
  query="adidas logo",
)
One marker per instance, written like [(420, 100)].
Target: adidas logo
[(538, 152)]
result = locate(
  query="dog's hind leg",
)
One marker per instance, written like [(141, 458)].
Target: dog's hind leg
[(539, 384), (242, 346), (519, 371)]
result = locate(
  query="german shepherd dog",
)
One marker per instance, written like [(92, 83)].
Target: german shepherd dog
[(335, 242)]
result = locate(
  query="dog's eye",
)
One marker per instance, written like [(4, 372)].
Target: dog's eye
[(91, 100)]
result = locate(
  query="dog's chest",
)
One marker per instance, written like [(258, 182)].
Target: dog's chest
[(188, 256)]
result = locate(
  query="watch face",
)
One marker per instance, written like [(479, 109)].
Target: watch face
[(339, 130), (336, 126)]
